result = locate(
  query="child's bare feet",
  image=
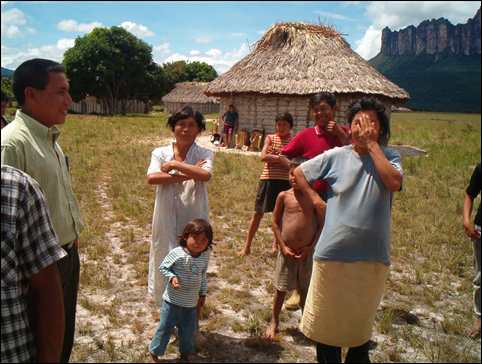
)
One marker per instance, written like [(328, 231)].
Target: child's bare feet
[(244, 252), (271, 331), (474, 332), (154, 357)]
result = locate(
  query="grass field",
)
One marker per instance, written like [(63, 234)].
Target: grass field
[(428, 304)]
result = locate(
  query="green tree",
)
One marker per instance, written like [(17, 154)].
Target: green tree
[(112, 65), (175, 72), (7, 87), (182, 71), (200, 71)]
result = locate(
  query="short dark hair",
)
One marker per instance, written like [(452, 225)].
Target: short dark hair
[(33, 73), (374, 105), (196, 227), (323, 96), (184, 113), (286, 117)]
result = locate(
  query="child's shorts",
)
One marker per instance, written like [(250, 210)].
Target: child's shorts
[(228, 129), (268, 191), (293, 273), (185, 319)]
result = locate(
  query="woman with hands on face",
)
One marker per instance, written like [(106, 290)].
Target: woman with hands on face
[(352, 256), (180, 171)]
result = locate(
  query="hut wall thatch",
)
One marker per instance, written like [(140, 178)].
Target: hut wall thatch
[(205, 108), (260, 111)]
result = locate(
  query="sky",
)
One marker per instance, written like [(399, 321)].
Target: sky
[(219, 33)]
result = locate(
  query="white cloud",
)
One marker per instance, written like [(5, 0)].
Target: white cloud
[(214, 52), (221, 61), (70, 25), (5, 2), (240, 34), (13, 22), (194, 52), (334, 16), (161, 51), (13, 57), (370, 44), (138, 30), (163, 47), (65, 43), (203, 39), (400, 14)]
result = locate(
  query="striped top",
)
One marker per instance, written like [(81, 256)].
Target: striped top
[(274, 171), (191, 273)]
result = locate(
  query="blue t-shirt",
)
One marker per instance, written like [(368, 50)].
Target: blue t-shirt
[(357, 222), (230, 117)]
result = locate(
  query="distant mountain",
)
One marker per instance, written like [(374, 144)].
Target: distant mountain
[(7, 73), (437, 63)]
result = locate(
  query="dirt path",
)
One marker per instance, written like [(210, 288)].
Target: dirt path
[(116, 318), (121, 315)]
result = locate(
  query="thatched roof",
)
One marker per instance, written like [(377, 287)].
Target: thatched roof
[(301, 59), (189, 92)]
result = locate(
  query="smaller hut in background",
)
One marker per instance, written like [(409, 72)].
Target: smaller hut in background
[(192, 94)]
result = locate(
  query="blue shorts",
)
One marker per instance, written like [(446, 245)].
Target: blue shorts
[(185, 318)]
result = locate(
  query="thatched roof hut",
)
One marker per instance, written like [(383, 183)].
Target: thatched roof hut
[(192, 94), (291, 62)]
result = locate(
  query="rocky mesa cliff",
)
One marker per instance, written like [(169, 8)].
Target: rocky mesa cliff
[(432, 37)]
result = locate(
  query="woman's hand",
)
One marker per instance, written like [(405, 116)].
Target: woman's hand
[(175, 283), (470, 230), (330, 127), (201, 163), (364, 131), (168, 166)]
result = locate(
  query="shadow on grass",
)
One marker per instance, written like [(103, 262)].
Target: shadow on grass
[(225, 349)]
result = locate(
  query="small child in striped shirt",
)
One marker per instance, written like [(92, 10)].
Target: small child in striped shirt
[(185, 269)]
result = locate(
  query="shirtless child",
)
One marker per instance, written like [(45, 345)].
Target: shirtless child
[(296, 226)]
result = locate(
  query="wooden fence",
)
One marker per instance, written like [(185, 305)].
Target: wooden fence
[(93, 107)]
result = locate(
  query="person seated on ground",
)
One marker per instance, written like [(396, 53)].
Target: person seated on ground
[(275, 176), (230, 119), (296, 227)]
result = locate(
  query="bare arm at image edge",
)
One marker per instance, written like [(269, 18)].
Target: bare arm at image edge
[(48, 309)]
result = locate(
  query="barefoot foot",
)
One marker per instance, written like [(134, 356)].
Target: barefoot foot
[(271, 331), (243, 252)]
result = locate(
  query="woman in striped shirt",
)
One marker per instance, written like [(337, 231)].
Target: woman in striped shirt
[(275, 176)]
